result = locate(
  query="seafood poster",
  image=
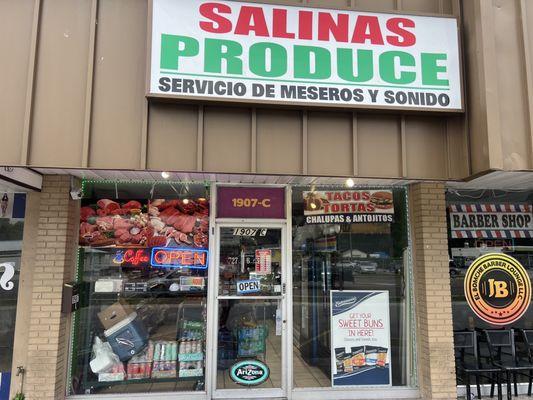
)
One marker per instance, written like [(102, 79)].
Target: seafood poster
[(360, 338), (348, 206), (144, 223)]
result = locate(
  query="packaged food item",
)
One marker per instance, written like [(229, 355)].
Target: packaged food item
[(116, 374), (358, 357), (382, 356), (165, 359), (140, 365), (347, 362), (339, 359), (188, 369), (371, 355)]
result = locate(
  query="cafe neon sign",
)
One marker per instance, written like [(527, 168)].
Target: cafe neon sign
[(169, 257), (131, 257)]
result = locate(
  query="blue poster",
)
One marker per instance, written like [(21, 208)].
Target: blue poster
[(5, 380), (360, 338)]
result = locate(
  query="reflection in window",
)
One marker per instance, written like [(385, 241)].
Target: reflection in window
[(347, 256)]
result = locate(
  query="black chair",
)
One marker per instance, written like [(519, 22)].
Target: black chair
[(502, 354), (468, 363), (527, 339)]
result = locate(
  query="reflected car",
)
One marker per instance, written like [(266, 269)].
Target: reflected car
[(366, 266), (359, 266)]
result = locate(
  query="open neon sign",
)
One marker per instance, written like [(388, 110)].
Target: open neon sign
[(169, 257)]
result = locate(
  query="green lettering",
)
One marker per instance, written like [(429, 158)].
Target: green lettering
[(364, 64), (302, 62), (387, 69), (217, 50), (430, 69), (173, 47), (277, 58)]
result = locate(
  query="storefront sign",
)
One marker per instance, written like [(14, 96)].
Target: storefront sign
[(276, 53), (263, 262), (8, 273), (360, 338), (179, 258), (132, 257), (249, 372), (492, 221), (250, 202), (348, 206), (249, 286), (497, 288)]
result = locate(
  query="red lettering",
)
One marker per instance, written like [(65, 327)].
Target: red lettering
[(199, 258), (186, 258), (367, 28), (128, 256), (366, 196), (404, 38), (251, 19), (305, 26), (218, 24), (160, 256), (328, 26), (279, 22)]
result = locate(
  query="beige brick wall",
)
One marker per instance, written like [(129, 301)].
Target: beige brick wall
[(436, 367), (55, 255)]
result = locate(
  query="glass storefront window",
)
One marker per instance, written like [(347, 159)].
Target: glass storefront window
[(250, 255), (142, 277), (482, 222), (337, 250), (250, 265), (11, 232)]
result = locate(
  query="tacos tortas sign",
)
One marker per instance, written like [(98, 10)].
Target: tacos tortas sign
[(228, 50), (498, 288)]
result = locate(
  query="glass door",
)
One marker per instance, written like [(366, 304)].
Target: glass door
[(250, 307)]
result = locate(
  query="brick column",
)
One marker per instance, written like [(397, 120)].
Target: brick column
[(55, 257), (436, 367)]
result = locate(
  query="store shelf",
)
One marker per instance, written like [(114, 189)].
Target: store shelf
[(96, 384), (152, 293)]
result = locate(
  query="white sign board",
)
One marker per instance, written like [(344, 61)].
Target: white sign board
[(491, 221), (360, 338), (252, 52)]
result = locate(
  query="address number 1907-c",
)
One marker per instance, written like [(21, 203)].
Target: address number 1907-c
[(251, 203)]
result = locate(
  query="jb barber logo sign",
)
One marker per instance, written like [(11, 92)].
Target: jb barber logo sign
[(498, 288), (274, 53)]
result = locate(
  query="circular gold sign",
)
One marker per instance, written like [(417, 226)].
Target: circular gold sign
[(498, 288)]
